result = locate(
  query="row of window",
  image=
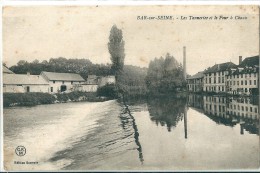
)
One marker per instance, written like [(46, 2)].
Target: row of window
[(242, 108), (215, 80), (241, 82), (214, 88), (241, 76), (222, 108), (63, 82), (214, 99), (215, 73)]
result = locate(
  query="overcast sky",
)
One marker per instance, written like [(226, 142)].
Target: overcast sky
[(82, 32)]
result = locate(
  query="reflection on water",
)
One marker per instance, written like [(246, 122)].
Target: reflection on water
[(229, 111), (167, 111)]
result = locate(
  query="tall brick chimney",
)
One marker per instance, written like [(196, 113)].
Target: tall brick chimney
[(240, 59), (184, 62)]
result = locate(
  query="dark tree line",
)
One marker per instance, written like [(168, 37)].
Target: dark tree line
[(84, 67)]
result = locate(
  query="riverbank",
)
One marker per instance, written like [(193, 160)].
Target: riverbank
[(32, 99)]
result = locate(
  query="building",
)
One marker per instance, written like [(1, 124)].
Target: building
[(61, 82), (244, 79), (91, 85), (6, 70), (215, 77), (21, 83), (195, 82), (107, 80)]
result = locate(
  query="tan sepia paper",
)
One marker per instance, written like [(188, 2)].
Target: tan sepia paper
[(178, 91)]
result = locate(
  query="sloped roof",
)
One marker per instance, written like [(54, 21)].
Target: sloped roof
[(6, 70), (246, 70), (250, 61), (220, 67), (62, 76), (196, 76), (23, 79)]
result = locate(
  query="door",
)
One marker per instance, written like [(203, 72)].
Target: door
[(28, 89), (63, 88)]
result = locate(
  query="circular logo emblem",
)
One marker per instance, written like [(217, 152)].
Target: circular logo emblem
[(20, 151)]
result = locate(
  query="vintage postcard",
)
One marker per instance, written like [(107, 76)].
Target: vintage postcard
[(133, 88)]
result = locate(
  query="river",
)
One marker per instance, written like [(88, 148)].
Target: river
[(209, 132)]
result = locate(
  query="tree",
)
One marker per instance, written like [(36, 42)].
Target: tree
[(165, 75), (116, 49)]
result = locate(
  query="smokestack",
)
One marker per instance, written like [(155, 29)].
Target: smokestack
[(185, 123), (184, 62), (240, 60)]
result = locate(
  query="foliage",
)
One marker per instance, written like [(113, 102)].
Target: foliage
[(116, 49), (27, 99), (132, 80), (165, 75), (108, 90), (84, 67)]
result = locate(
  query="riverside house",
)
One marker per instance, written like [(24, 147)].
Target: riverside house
[(21, 83), (62, 82), (244, 79), (215, 77), (195, 82)]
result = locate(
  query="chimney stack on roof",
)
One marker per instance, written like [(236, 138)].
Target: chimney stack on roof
[(240, 60)]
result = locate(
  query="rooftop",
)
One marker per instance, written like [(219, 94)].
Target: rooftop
[(220, 67), (62, 76), (6, 70), (197, 75), (250, 61), (23, 79)]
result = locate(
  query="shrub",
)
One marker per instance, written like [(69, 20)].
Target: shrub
[(109, 90), (27, 99)]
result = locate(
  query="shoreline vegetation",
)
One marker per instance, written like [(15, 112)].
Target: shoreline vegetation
[(33, 99)]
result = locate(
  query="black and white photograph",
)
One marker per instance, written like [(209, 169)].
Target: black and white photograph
[(130, 87)]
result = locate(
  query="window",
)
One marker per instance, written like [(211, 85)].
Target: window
[(71, 82), (234, 106), (219, 79), (234, 83), (51, 89), (237, 82), (250, 82), (238, 107), (222, 88), (62, 82), (242, 108), (219, 88), (241, 82), (209, 80), (250, 75), (246, 90), (214, 79), (54, 81), (241, 75), (255, 110), (245, 82), (251, 109), (254, 74), (246, 108), (222, 72), (237, 75), (27, 89)]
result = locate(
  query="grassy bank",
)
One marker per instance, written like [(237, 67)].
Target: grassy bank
[(32, 99)]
